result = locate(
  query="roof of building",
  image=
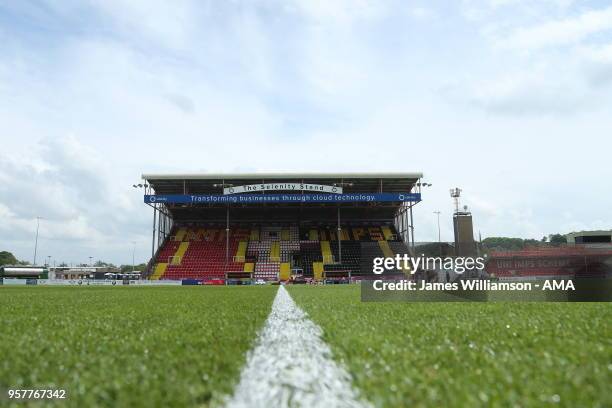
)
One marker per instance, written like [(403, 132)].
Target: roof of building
[(589, 233), (285, 176), (212, 183)]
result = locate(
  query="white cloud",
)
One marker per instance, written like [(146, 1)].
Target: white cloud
[(422, 13), (327, 86), (74, 192), (341, 11), (168, 24), (562, 32), (543, 90), (541, 62)]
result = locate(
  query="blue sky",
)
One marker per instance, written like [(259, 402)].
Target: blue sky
[(508, 99)]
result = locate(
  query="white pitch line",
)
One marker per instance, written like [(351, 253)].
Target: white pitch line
[(291, 366)]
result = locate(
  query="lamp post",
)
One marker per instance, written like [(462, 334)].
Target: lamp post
[(133, 252), (148, 189), (439, 234), (455, 194), (227, 225), (90, 261), (341, 184), (36, 242)]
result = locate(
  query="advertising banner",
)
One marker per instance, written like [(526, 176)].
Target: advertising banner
[(282, 198)]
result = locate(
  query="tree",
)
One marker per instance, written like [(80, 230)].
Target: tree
[(7, 258), (504, 243), (137, 268), (557, 239), (101, 264), (516, 244)]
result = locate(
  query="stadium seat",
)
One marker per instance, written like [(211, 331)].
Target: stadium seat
[(272, 251)]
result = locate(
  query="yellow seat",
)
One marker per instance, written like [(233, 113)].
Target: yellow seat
[(180, 234), (317, 270), (285, 271), (313, 235), (328, 258), (387, 232), (241, 251), (386, 249), (285, 235), (180, 252), (160, 269), (275, 251), (254, 234)]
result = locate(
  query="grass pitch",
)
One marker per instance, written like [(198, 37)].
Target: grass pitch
[(132, 346), (185, 346), (467, 354)]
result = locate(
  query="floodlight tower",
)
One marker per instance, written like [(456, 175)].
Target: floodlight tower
[(463, 226), (455, 193)]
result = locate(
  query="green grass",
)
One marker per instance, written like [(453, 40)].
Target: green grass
[(467, 354), (163, 346)]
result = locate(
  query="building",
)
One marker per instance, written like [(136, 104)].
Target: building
[(213, 227), (82, 272), (590, 237)]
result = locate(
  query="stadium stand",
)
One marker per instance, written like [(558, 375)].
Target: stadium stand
[(318, 226), (198, 252)]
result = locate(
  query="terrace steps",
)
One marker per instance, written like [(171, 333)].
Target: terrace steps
[(275, 251), (326, 252), (387, 232), (384, 246), (285, 271), (180, 252), (180, 234), (317, 270), (285, 236), (241, 251), (160, 269), (313, 235), (254, 234)]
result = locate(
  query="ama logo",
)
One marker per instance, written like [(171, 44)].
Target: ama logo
[(558, 285)]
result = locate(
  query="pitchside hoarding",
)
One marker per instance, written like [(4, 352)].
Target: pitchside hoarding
[(282, 198)]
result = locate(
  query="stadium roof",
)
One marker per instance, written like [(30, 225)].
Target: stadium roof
[(193, 183), (257, 176), (212, 184)]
